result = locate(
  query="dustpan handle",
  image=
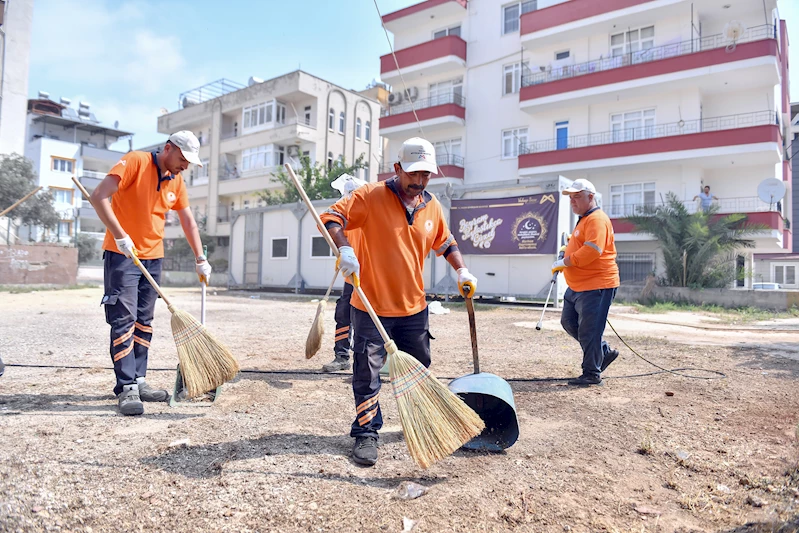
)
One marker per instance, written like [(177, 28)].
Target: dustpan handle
[(135, 259), (356, 283), (472, 329)]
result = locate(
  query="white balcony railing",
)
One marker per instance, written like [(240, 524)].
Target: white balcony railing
[(744, 204)]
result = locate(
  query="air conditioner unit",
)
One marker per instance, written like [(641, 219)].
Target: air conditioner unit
[(413, 94), (394, 98), (292, 150)]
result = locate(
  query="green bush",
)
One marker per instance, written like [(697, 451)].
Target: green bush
[(87, 247), (219, 265)]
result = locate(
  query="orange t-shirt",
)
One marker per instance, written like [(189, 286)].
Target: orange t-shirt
[(392, 245), (140, 207), (592, 253)]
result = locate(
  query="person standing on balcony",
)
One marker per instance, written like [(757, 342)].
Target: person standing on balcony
[(706, 198), (589, 266), (142, 188), (399, 223)]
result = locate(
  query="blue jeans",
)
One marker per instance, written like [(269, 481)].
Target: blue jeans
[(129, 302), (583, 317)]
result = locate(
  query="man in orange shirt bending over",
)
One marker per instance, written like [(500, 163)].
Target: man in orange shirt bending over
[(399, 224), (142, 187), (589, 265)]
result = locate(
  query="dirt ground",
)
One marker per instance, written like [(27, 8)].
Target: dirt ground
[(646, 452)]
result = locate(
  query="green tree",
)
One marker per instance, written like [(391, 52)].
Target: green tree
[(705, 240), (181, 253), (86, 245), (315, 178), (17, 179)]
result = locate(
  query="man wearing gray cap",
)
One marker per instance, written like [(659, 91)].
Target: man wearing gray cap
[(132, 202), (589, 266)]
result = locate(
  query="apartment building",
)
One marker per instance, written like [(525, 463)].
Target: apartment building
[(16, 21), (63, 141), (247, 132), (642, 97)]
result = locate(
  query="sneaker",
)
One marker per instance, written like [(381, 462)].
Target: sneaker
[(365, 451), (129, 401), (609, 358), (586, 381), (149, 394), (339, 363)]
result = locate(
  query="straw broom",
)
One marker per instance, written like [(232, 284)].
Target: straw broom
[(205, 362), (314, 341), (435, 421)]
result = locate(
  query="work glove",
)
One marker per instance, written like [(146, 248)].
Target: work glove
[(558, 266), (347, 263), (466, 281), (125, 245), (203, 271)]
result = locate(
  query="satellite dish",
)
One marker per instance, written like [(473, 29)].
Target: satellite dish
[(771, 190), (734, 30), (164, 111)]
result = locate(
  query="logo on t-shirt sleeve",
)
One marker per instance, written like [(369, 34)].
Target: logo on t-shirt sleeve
[(170, 197)]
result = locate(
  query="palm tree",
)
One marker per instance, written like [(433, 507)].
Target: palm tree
[(698, 248)]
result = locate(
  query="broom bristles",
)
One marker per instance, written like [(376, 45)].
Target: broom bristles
[(205, 363), (435, 421), (314, 341)]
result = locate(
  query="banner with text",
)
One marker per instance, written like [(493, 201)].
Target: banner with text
[(503, 226)]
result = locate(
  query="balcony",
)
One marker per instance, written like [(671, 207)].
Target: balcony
[(434, 113), (449, 166), (422, 12), (294, 130), (257, 179), (91, 179), (573, 19), (446, 55), (707, 63), (752, 138), (87, 211), (100, 154)]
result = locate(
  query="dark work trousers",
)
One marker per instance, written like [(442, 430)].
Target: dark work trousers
[(129, 302), (341, 348), (410, 333), (583, 317)]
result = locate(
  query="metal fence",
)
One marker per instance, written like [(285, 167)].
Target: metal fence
[(711, 42), (743, 204), (422, 103), (441, 160), (683, 127), (635, 267)]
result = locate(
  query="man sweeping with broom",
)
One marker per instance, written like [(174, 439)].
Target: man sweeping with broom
[(142, 187), (399, 223)]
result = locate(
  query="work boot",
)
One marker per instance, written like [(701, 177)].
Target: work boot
[(129, 401), (149, 394), (339, 363), (586, 381), (609, 358), (365, 451), (2, 367)]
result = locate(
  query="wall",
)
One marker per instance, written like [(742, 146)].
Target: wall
[(18, 24), (770, 300), (22, 265)]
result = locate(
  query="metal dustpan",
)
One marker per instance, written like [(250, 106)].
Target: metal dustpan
[(491, 398)]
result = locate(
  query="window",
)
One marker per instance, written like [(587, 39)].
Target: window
[(367, 135), (455, 30), (562, 135), (366, 172), (632, 41), (64, 228), (633, 125), (512, 12), (446, 92), (280, 113), (223, 241), (259, 116), (320, 248), (785, 275), (307, 115), (357, 128), (63, 165), (635, 267), (512, 142), (341, 121), (629, 198), (63, 196), (202, 172), (512, 77), (562, 55), (329, 160), (448, 152), (265, 156), (280, 248), (331, 119)]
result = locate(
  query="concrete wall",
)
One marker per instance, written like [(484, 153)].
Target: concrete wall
[(771, 300), (22, 265), (16, 59)]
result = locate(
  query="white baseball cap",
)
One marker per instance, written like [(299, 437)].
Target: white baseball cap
[(416, 155), (189, 146), (579, 186)]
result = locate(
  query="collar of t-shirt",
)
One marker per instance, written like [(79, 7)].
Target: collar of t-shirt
[(161, 177), (393, 186), (587, 213)]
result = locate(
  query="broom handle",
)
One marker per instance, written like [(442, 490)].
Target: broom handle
[(332, 282), (355, 281), (135, 259), (15, 204)]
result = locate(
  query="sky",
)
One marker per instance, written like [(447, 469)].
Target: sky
[(131, 58)]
